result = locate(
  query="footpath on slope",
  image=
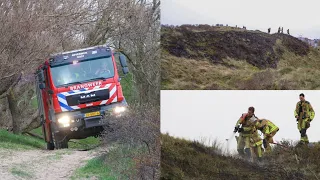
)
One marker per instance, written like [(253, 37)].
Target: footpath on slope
[(42, 164)]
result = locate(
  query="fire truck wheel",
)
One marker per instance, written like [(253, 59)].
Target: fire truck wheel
[(60, 140), (50, 146)]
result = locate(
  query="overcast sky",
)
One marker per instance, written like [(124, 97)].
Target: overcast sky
[(213, 114), (301, 17)]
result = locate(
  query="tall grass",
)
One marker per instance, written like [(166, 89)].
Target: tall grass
[(19, 142), (203, 57), (292, 72), (132, 147), (138, 129), (183, 159)]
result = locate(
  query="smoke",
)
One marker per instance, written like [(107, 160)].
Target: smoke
[(228, 143)]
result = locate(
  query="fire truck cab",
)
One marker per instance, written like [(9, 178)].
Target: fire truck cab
[(78, 92)]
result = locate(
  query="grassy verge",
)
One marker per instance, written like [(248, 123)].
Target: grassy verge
[(37, 131), (118, 163), (87, 143), (9, 140), (94, 168), (19, 142)]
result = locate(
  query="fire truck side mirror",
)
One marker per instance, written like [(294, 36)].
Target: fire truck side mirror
[(123, 60), (42, 86), (125, 70), (41, 78)]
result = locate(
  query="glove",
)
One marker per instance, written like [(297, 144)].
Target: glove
[(264, 143), (235, 129), (240, 130)]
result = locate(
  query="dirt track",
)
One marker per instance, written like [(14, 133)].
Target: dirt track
[(41, 164)]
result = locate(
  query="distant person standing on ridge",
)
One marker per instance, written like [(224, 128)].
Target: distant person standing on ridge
[(279, 30), (282, 30), (269, 30), (288, 31), (304, 114)]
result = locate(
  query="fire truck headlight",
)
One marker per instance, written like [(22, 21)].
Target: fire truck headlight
[(119, 109), (64, 121)]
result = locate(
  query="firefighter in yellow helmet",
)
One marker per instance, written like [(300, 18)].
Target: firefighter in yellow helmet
[(245, 132), (268, 129), (256, 145), (304, 114)]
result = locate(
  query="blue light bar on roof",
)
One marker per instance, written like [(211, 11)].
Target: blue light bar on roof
[(80, 55)]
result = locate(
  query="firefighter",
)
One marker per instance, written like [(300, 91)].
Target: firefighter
[(65, 78), (104, 70), (268, 129), (60, 80), (76, 75), (61, 77), (256, 145), (304, 114), (73, 72), (245, 132)]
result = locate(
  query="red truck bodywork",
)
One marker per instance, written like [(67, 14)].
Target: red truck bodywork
[(75, 101)]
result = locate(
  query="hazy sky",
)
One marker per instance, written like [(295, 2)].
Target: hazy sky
[(213, 114), (301, 17)]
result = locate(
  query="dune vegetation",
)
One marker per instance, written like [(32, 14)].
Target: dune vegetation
[(208, 57)]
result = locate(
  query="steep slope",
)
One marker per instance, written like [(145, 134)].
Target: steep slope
[(231, 58), (182, 159)]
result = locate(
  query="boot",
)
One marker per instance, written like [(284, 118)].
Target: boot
[(241, 152), (248, 153)]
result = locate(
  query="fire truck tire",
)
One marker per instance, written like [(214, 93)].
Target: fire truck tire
[(50, 146), (60, 141)]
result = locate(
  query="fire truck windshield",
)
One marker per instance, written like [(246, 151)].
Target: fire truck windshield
[(82, 71)]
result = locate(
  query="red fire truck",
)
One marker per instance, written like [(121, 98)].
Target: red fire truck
[(78, 92)]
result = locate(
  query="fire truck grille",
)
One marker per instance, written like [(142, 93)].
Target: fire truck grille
[(84, 98)]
